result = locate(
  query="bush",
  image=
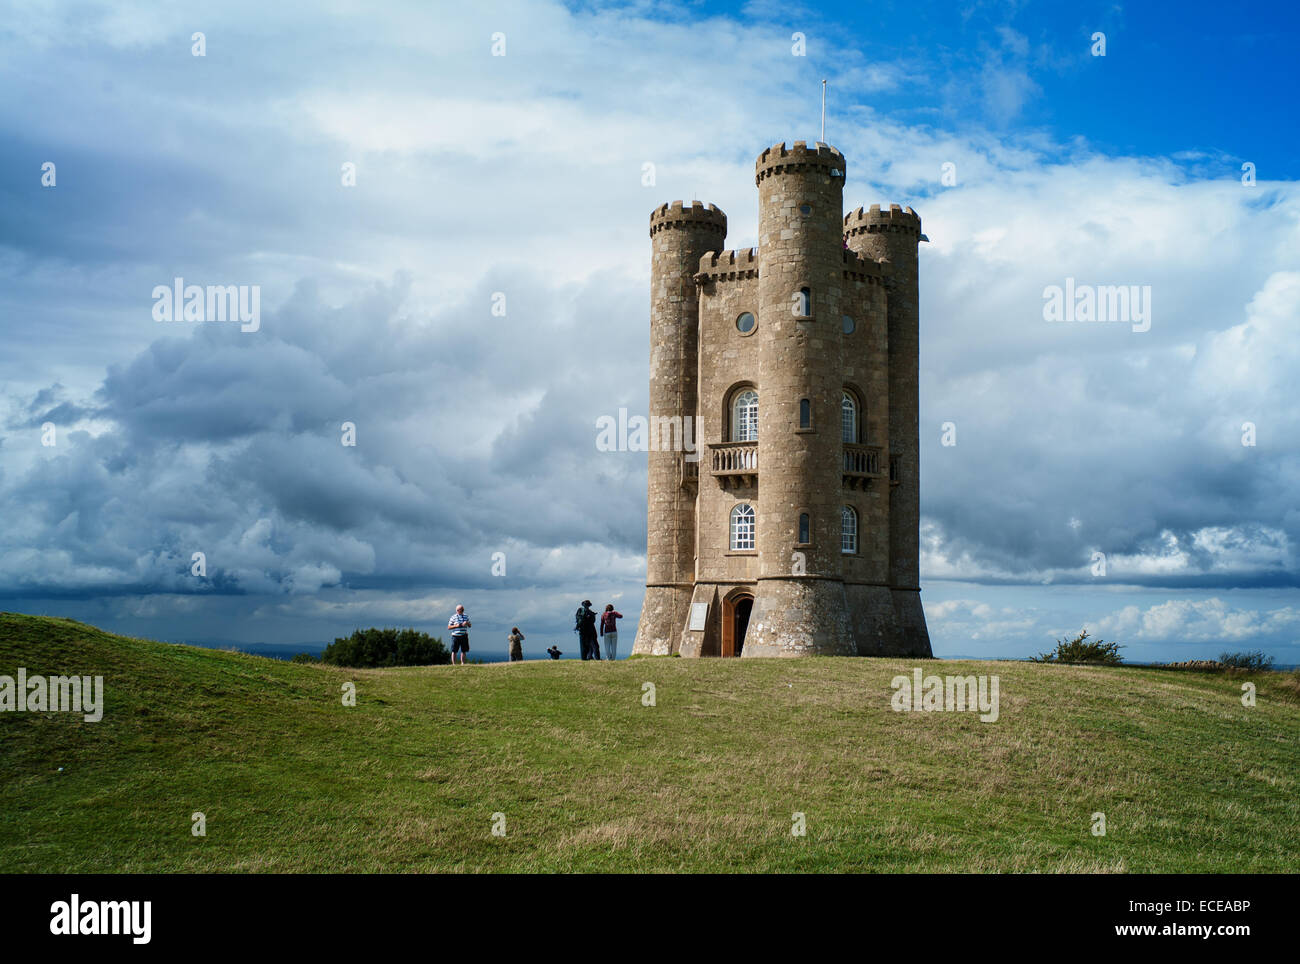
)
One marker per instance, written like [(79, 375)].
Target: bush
[(1254, 662), (386, 647), (304, 658), (1079, 650)]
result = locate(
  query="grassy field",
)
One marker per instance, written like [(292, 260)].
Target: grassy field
[(589, 779)]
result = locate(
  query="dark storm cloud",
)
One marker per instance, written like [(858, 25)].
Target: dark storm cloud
[(230, 443)]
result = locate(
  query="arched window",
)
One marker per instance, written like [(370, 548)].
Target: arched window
[(805, 528), (805, 413), (803, 303), (849, 419), (848, 530), (744, 417), (742, 526)]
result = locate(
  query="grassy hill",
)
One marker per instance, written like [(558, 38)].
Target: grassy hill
[(590, 779)]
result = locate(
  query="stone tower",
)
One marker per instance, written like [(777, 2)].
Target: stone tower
[(792, 529), (679, 237), (893, 236)]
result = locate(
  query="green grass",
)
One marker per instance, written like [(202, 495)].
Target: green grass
[(589, 779)]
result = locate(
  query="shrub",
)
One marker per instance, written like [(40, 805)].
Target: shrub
[(386, 647), (1254, 662), (304, 658), (1079, 650)]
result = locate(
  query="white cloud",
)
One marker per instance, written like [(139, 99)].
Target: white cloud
[(1203, 620)]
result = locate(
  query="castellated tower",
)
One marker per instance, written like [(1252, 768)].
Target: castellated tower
[(893, 236), (795, 532), (679, 236)]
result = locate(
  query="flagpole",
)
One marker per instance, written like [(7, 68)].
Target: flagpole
[(823, 111)]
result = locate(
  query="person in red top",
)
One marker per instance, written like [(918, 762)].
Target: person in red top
[(609, 631)]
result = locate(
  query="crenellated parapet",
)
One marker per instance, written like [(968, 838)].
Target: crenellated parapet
[(695, 217), (718, 266), (858, 268), (875, 221), (799, 158)]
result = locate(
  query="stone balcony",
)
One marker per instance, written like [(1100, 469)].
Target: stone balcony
[(690, 473), (734, 464), (861, 465)]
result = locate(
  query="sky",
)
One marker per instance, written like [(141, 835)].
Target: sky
[(507, 156)]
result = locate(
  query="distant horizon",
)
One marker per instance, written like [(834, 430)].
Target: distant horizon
[(501, 654)]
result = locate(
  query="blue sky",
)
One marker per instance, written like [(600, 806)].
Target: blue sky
[(1176, 78), (523, 175)]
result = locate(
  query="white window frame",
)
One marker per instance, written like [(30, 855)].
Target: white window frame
[(743, 524), (848, 530), (744, 416), (849, 419)]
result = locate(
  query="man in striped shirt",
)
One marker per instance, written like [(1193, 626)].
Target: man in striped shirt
[(459, 625)]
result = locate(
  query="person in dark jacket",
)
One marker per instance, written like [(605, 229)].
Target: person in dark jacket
[(585, 627), (609, 630)]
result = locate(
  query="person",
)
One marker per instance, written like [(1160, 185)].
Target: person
[(516, 651), (609, 630), (459, 625), (585, 627), (554, 652)]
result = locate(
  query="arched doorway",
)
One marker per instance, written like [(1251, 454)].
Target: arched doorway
[(736, 609)]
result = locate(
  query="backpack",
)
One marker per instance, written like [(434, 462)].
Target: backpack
[(577, 620)]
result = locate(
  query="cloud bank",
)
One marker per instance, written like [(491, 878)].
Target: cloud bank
[(520, 180)]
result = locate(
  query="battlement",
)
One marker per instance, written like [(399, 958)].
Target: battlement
[(734, 265), (874, 221), (744, 257), (695, 217), (858, 268), (799, 158)]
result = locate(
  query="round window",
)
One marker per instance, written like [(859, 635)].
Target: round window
[(746, 323), (848, 325), (805, 209)]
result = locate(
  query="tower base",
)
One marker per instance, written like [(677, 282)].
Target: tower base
[(875, 623), (658, 631), (800, 617), (913, 635)]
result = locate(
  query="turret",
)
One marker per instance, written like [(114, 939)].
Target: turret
[(680, 234), (800, 606), (893, 235)]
